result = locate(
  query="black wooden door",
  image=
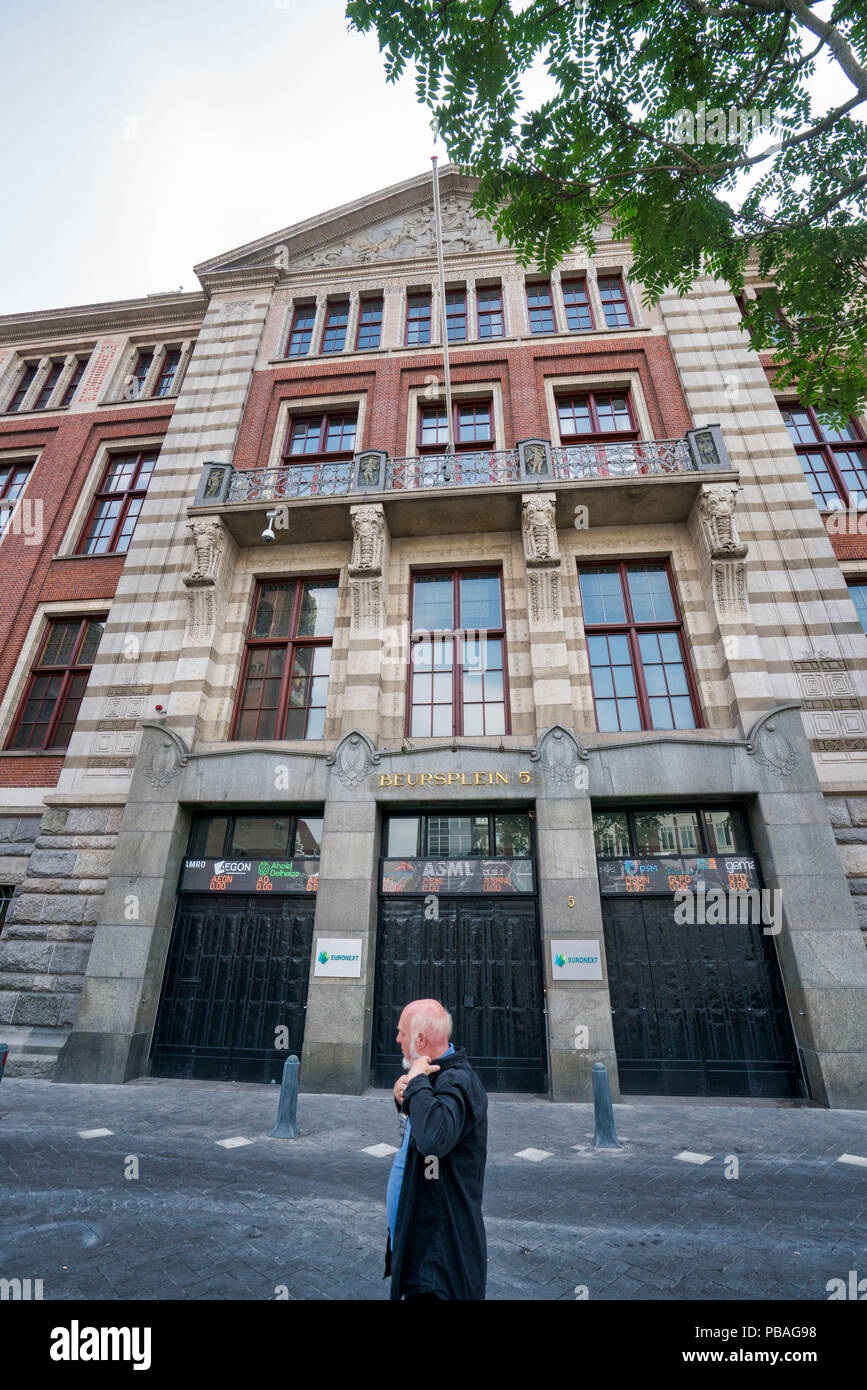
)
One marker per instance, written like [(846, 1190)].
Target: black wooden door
[(697, 1010), (481, 959), (237, 971)]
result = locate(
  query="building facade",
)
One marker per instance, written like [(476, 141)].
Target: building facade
[(304, 715)]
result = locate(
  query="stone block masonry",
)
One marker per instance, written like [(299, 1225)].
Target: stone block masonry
[(60, 864)]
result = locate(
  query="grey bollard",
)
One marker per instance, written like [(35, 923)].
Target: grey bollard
[(287, 1126), (605, 1136)]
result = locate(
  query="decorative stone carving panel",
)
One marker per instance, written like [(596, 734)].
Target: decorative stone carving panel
[(539, 528), (368, 537), (545, 597)]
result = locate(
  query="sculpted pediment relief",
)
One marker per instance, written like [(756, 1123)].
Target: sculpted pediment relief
[(401, 238)]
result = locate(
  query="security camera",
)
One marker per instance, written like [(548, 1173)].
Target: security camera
[(268, 536)]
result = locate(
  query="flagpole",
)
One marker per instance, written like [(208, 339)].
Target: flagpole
[(444, 327)]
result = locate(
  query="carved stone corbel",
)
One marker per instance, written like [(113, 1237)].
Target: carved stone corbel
[(717, 540), (542, 557), (367, 567), (209, 541)]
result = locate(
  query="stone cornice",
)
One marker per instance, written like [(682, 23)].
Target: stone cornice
[(93, 320)]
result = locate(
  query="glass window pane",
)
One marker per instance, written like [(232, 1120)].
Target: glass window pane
[(660, 714), (683, 713), (258, 836), (318, 609), (480, 601), (602, 597), (274, 610), (512, 835), (666, 832), (421, 721), (630, 715), (442, 687), (401, 837), (606, 716), (442, 721), (650, 593), (474, 721), (495, 719), (726, 830), (618, 645), (315, 722), (432, 604), (308, 835), (209, 837), (611, 833)]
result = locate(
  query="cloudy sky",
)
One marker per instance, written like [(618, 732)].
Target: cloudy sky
[(144, 136)]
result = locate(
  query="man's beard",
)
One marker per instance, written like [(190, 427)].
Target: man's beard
[(413, 1057)]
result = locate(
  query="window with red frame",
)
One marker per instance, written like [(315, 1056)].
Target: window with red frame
[(614, 305), (301, 332), (6, 891), (635, 642), (456, 315), (540, 307), (13, 477), (137, 380), (596, 415), (336, 319), (168, 371), (417, 319), (75, 380), (472, 425), (284, 678), (314, 444), (457, 676), (24, 384), (56, 684), (834, 460), (48, 385), (117, 504), (579, 319), (489, 311), (369, 323)]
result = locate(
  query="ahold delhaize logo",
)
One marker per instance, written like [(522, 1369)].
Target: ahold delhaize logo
[(323, 957)]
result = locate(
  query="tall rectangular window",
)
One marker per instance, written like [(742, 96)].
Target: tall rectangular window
[(489, 311), (6, 891), (168, 371), (48, 385), (614, 305), (117, 504), (472, 426), (75, 380), (58, 677), (13, 477), (25, 382), (635, 643), (302, 330), (834, 459), (540, 307), (139, 374), (456, 315), (595, 416), (457, 675), (579, 319), (284, 679), (417, 319), (336, 319), (369, 323)]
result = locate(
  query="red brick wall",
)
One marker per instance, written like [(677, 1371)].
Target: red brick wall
[(29, 574), (521, 371)]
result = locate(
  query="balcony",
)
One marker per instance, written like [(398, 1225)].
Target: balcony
[(634, 482)]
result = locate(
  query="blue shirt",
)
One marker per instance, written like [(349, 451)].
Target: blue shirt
[(395, 1177)]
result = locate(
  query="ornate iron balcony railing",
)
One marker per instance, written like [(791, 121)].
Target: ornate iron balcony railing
[(533, 462), (631, 459), (485, 468)]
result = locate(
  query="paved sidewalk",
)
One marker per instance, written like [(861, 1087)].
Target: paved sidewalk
[(203, 1221)]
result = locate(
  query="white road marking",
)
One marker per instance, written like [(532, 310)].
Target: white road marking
[(853, 1158), (380, 1150), (688, 1157), (235, 1143), (533, 1155), (94, 1133)]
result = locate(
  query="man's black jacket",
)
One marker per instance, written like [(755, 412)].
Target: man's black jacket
[(439, 1237)]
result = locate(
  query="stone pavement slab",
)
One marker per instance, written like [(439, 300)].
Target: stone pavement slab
[(156, 1208)]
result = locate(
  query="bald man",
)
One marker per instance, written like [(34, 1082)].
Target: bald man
[(436, 1247)]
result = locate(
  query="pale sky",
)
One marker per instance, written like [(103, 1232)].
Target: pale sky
[(144, 136)]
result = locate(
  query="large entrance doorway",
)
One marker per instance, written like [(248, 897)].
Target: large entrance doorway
[(463, 928), (698, 1006), (235, 988)]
